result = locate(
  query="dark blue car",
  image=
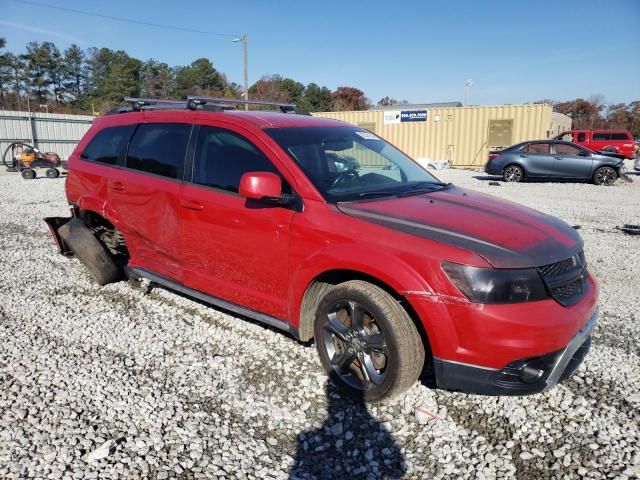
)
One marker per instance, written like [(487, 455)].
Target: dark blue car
[(554, 159)]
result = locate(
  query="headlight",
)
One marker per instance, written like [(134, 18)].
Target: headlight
[(490, 285)]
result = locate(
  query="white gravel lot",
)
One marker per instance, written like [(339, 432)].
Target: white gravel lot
[(116, 382)]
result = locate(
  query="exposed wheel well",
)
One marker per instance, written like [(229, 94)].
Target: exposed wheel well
[(316, 289), (107, 233)]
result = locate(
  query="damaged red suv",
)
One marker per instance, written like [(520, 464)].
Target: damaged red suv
[(328, 232)]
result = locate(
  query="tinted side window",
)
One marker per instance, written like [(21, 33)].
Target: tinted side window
[(222, 157), (581, 137), (108, 144), (620, 136), (601, 136), (537, 148), (159, 148), (567, 149)]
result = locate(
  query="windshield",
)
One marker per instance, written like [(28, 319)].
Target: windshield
[(347, 164)]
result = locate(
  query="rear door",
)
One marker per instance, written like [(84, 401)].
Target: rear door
[(145, 195), (234, 248), (600, 140), (571, 161), (537, 159)]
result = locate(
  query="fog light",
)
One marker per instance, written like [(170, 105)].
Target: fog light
[(531, 372)]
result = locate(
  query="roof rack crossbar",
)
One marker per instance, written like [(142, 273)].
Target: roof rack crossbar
[(240, 101), (283, 106), (139, 104), (195, 102)]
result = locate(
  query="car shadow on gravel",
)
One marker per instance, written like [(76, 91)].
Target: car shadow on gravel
[(350, 443)]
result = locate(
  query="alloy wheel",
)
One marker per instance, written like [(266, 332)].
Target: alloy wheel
[(356, 346), (513, 174), (605, 176)]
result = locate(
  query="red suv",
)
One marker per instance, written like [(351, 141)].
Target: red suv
[(618, 141), (326, 231)]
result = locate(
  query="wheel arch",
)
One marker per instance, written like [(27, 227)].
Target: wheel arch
[(324, 280), (95, 217)]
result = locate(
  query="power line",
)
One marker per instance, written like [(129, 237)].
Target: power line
[(127, 20)]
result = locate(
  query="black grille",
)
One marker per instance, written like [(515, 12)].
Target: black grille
[(567, 291), (566, 280)]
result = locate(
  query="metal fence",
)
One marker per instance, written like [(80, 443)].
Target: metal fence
[(49, 132)]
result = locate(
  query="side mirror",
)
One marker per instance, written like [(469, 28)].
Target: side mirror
[(264, 187), (584, 153)]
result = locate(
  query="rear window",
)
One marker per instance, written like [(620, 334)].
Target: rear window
[(601, 136), (537, 148), (159, 148), (108, 145), (620, 136)]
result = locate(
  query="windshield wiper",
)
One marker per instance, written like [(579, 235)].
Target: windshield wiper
[(379, 193), (425, 187), (419, 188)]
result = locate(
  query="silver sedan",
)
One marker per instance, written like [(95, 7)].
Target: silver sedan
[(552, 159)]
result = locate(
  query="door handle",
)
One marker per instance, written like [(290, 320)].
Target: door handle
[(558, 158), (523, 155), (117, 186), (192, 205)]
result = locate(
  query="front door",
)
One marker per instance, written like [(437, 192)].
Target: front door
[(571, 161), (233, 248), (144, 195)]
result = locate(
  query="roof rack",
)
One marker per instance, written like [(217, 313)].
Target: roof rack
[(215, 104), (284, 107)]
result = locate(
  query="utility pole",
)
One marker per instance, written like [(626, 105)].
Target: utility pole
[(245, 57), (467, 84)]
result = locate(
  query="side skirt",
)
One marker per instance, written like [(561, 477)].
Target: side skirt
[(215, 301)]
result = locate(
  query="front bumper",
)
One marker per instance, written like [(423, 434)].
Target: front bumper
[(521, 377)]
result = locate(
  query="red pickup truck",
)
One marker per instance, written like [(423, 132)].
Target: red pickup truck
[(618, 141)]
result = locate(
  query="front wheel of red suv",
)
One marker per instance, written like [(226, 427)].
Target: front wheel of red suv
[(367, 342)]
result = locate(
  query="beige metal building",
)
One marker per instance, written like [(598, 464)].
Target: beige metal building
[(461, 135)]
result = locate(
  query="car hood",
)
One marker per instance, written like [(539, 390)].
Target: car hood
[(615, 157), (506, 234)]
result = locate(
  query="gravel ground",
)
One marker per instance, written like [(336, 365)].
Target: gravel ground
[(124, 382)]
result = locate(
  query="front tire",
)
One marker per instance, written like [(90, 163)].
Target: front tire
[(367, 342), (513, 173), (605, 176)]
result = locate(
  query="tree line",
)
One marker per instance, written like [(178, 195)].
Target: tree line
[(94, 80), (594, 113)]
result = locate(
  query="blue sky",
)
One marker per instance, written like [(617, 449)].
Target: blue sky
[(422, 51)]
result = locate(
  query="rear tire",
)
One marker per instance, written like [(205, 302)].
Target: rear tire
[(28, 174), (513, 173), (374, 357), (52, 173), (605, 176), (90, 252)]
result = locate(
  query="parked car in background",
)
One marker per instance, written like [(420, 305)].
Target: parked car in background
[(554, 159), (618, 141)]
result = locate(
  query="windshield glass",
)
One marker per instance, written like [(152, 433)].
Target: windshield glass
[(348, 164)]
